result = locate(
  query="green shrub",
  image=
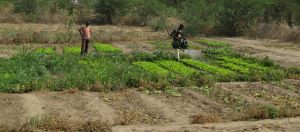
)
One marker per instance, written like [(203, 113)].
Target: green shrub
[(72, 50), (177, 67), (271, 111), (105, 48)]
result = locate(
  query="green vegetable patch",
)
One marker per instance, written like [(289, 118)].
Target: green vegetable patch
[(72, 50), (177, 67), (207, 67), (152, 68)]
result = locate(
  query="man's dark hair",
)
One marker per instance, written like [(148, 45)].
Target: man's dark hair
[(87, 23), (181, 26)]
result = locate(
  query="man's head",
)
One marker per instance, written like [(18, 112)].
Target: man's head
[(181, 26), (87, 24)]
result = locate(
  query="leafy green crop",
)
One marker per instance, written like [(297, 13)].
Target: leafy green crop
[(177, 67), (152, 68), (206, 67), (72, 50), (242, 62), (233, 67), (99, 47), (49, 50), (212, 43)]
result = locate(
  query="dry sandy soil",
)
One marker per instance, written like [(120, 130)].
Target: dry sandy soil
[(286, 54), (134, 110)]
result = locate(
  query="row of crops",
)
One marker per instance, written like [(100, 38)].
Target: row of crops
[(220, 61), (222, 70), (99, 47)]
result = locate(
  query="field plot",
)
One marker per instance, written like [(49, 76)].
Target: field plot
[(112, 90)]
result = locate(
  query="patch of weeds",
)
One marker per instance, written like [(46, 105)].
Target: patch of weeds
[(293, 72), (280, 100), (49, 50), (161, 44), (225, 97), (284, 85), (212, 43), (259, 112), (55, 123), (173, 92), (151, 92), (202, 119)]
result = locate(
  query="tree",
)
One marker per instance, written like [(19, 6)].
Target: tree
[(111, 8), (237, 16)]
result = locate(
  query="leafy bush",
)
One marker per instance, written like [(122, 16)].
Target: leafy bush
[(49, 50), (177, 67), (212, 43), (271, 111), (72, 50), (99, 47), (152, 67)]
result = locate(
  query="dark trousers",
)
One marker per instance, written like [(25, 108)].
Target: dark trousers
[(85, 46)]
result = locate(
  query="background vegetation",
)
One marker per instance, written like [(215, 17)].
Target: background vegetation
[(223, 17)]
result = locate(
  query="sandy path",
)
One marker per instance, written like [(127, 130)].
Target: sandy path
[(280, 125), (278, 51), (153, 103), (98, 107), (33, 105)]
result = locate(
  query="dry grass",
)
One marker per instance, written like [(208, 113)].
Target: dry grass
[(278, 31), (202, 119), (58, 34), (55, 123)]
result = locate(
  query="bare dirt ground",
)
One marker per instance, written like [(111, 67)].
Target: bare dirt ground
[(286, 54), (134, 110)]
